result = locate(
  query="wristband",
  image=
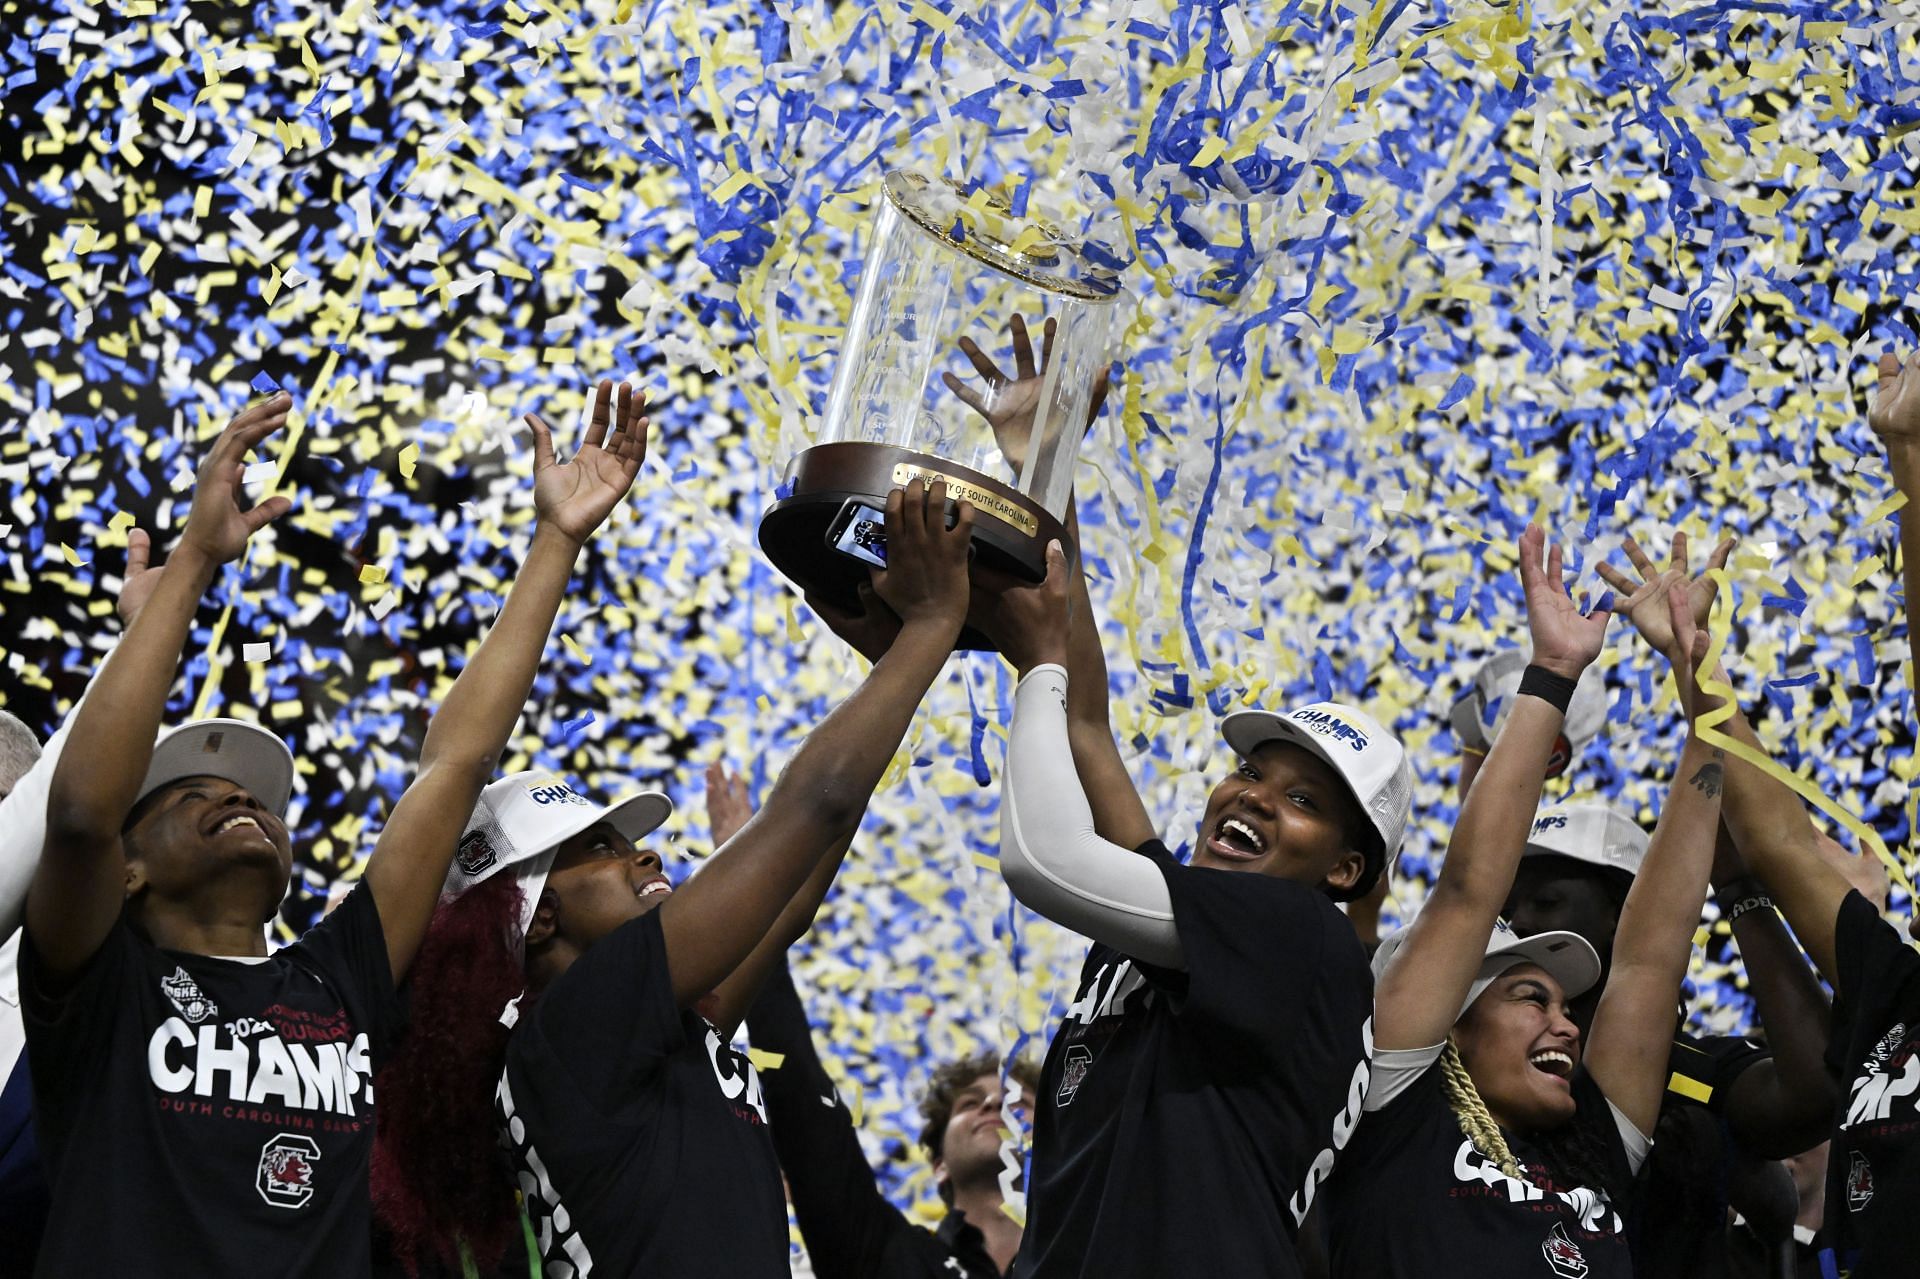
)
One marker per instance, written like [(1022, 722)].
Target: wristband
[(1740, 896), (1556, 690)]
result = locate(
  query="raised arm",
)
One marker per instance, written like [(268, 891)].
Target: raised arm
[(1783, 1105), (1418, 998), (1633, 1027), (1051, 853), (1895, 418), (466, 735), (727, 910), (78, 888)]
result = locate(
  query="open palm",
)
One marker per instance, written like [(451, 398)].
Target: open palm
[(1011, 404), (576, 497), (1895, 415), (1565, 640), (1646, 602), (218, 525)]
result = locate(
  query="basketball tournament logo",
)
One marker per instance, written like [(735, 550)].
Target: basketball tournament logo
[(475, 853), (1079, 1058), (285, 1175), (1564, 1255), (187, 997)]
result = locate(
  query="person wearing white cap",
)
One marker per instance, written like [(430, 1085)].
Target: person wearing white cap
[(1219, 1027), (1496, 1139), (1477, 717), (205, 1108), (1873, 1046), (637, 1135)]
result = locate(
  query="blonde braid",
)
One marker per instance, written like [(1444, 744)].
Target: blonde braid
[(1475, 1120)]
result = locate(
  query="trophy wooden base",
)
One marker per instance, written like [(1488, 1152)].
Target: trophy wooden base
[(1010, 530)]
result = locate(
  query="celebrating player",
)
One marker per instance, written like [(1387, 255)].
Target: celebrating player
[(637, 1135), (244, 1146)]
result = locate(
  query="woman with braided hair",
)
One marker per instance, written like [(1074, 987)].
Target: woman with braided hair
[(1492, 1141)]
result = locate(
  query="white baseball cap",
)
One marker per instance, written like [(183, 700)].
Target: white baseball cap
[(523, 818), (1597, 834), (1567, 957), (1484, 707), (1369, 759), (232, 750)]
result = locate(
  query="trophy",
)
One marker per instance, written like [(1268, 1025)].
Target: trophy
[(941, 378)]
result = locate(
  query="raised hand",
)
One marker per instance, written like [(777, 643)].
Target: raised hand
[(925, 580), (728, 807), (1646, 601), (1565, 640), (1028, 621), (1690, 643), (574, 498), (1895, 415), (870, 631), (137, 587), (217, 526), (1010, 404)]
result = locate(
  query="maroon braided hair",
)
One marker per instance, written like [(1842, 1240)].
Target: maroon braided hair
[(440, 1181)]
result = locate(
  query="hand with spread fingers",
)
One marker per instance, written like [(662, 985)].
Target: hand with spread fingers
[(926, 578), (574, 498), (870, 631), (137, 587), (1010, 404), (728, 807), (217, 525), (1646, 603), (1895, 415), (1565, 640)]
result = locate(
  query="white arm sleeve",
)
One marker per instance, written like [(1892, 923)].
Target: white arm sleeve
[(23, 821), (1050, 854)]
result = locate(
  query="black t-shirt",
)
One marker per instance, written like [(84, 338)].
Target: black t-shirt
[(851, 1230), (639, 1138), (1677, 1222), (1181, 1112), (1873, 1169), (1413, 1197), (202, 1116)]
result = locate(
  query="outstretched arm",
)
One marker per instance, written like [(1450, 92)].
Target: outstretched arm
[(1417, 999), (1633, 1026), (77, 890), (468, 732), (727, 911), (1783, 1104), (1895, 418)]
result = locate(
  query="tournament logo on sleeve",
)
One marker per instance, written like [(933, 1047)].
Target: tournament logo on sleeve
[(187, 997), (1564, 1255), (285, 1176)]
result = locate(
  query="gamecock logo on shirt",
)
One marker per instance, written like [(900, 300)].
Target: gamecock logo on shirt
[(285, 1176), (1564, 1255), (1079, 1057), (1859, 1182)]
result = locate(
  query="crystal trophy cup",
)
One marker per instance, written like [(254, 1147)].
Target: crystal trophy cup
[(939, 380)]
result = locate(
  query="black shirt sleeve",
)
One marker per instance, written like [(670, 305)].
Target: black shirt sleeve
[(851, 1230), (611, 1017), (350, 946), (1879, 975), (75, 1017), (1252, 943), (1701, 1071)]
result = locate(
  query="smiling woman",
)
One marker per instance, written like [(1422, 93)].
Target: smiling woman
[(1235, 975), (1491, 1134)]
